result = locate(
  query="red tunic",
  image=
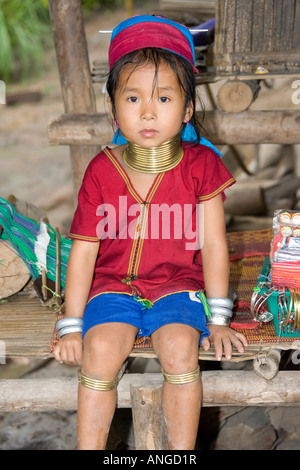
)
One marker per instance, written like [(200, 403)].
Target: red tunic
[(148, 247)]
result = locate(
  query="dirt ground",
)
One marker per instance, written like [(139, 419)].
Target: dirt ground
[(34, 171)]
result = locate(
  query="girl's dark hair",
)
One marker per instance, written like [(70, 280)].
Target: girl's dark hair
[(155, 56)]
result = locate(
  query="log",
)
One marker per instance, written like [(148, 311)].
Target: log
[(236, 96), (248, 127), (23, 97), (28, 209), (74, 71), (267, 366), (148, 422), (14, 274), (220, 388)]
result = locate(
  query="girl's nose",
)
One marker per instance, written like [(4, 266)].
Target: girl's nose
[(148, 111)]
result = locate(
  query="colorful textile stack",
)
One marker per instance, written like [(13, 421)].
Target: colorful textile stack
[(286, 249), (23, 234)]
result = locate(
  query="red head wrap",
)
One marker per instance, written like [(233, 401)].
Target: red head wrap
[(151, 31)]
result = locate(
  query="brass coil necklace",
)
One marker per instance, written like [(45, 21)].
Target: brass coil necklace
[(154, 159)]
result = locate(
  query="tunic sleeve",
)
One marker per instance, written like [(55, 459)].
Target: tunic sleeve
[(214, 178), (84, 224)]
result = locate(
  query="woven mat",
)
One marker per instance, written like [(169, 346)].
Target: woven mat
[(247, 252)]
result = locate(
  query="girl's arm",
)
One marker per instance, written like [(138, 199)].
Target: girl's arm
[(215, 263), (80, 271)]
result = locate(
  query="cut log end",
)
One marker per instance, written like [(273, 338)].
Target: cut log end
[(236, 96), (14, 274), (268, 366)]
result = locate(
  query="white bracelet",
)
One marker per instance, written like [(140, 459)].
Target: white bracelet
[(220, 302), (69, 325), (220, 320), (221, 311), (69, 329)]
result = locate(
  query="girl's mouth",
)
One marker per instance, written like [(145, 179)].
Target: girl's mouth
[(148, 132)]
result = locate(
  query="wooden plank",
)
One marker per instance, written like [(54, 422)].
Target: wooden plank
[(26, 327), (287, 20), (225, 26), (220, 388), (274, 62), (243, 28), (277, 33), (249, 127), (258, 20), (268, 25), (296, 27)]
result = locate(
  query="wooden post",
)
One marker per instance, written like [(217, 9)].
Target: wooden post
[(148, 421), (74, 71)]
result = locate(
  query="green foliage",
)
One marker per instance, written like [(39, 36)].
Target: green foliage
[(24, 33), (88, 5)]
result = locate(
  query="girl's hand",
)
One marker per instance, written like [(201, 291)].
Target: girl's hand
[(224, 338), (69, 349)]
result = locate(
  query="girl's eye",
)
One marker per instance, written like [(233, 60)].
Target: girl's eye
[(133, 99), (164, 99)]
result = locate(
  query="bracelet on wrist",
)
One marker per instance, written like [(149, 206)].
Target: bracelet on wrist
[(68, 325), (220, 320), (220, 302), (221, 311)]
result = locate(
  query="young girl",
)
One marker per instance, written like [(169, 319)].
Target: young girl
[(137, 266)]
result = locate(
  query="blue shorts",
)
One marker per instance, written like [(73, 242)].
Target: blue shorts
[(182, 307)]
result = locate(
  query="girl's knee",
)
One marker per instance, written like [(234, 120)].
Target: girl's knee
[(105, 351), (177, 348)]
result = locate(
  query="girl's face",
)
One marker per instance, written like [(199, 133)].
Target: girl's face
[(146, 116)]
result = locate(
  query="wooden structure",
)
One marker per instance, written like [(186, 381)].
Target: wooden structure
[(254, 40), (83, 130), (253, 33)]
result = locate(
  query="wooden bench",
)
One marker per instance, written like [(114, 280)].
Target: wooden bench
[(27, 327)]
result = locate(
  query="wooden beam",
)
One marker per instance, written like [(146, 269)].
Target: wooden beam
[(248, 127), (220, 388), (74, 71)]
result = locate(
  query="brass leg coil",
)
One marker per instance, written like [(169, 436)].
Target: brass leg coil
[(178, 379), (96, 384)]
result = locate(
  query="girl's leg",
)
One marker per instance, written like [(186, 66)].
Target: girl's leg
[(105, 349), (176, 346)]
